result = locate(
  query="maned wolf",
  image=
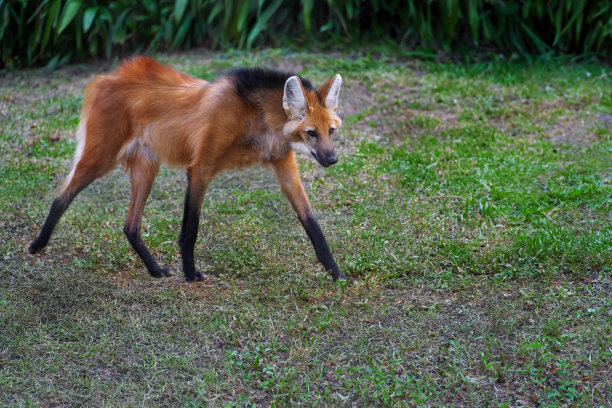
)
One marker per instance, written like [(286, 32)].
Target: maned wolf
[(145, 114)]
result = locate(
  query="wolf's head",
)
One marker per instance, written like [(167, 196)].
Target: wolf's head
[(312, 119)]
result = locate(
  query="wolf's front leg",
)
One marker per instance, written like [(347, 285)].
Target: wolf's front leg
[(196, 188), (291, 185)]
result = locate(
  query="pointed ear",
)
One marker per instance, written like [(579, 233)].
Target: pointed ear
[(330, 91), (294, 100)]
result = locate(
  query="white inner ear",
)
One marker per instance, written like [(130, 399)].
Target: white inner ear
[(331, 101), (294, 100)]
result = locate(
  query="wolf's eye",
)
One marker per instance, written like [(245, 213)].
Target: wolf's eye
[(331, 130), (312, 133)]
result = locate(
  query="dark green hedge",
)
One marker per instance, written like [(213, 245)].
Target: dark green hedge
[(56, 31)]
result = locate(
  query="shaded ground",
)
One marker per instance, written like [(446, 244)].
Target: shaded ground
[(471, 204)]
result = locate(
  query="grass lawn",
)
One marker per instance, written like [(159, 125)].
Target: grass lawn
[(471, 204)]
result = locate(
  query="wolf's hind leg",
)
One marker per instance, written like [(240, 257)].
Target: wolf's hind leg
[(87, 168), (143, 170)]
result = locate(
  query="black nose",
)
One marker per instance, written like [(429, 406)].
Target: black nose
[(332, 159)]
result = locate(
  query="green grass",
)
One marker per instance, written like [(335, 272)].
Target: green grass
[(471, 204)]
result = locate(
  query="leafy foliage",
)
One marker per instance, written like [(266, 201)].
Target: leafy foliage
[(57, 31)]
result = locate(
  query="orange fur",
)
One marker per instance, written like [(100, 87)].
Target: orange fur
[(145, 113)]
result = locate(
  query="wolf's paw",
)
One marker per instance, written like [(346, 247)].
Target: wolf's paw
[(160, 272), (195, 277), (35, 246)]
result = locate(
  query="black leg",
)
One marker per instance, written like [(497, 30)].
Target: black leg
[(58, 208), (80, 180), (142, 175), (189, 230), (320, 245), (133, 235), (289, 179), (186, 207)]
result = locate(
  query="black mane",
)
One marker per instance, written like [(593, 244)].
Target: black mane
[(251, 80)]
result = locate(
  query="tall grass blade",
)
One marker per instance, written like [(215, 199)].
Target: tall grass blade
[(179, 10), (68, 13)]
